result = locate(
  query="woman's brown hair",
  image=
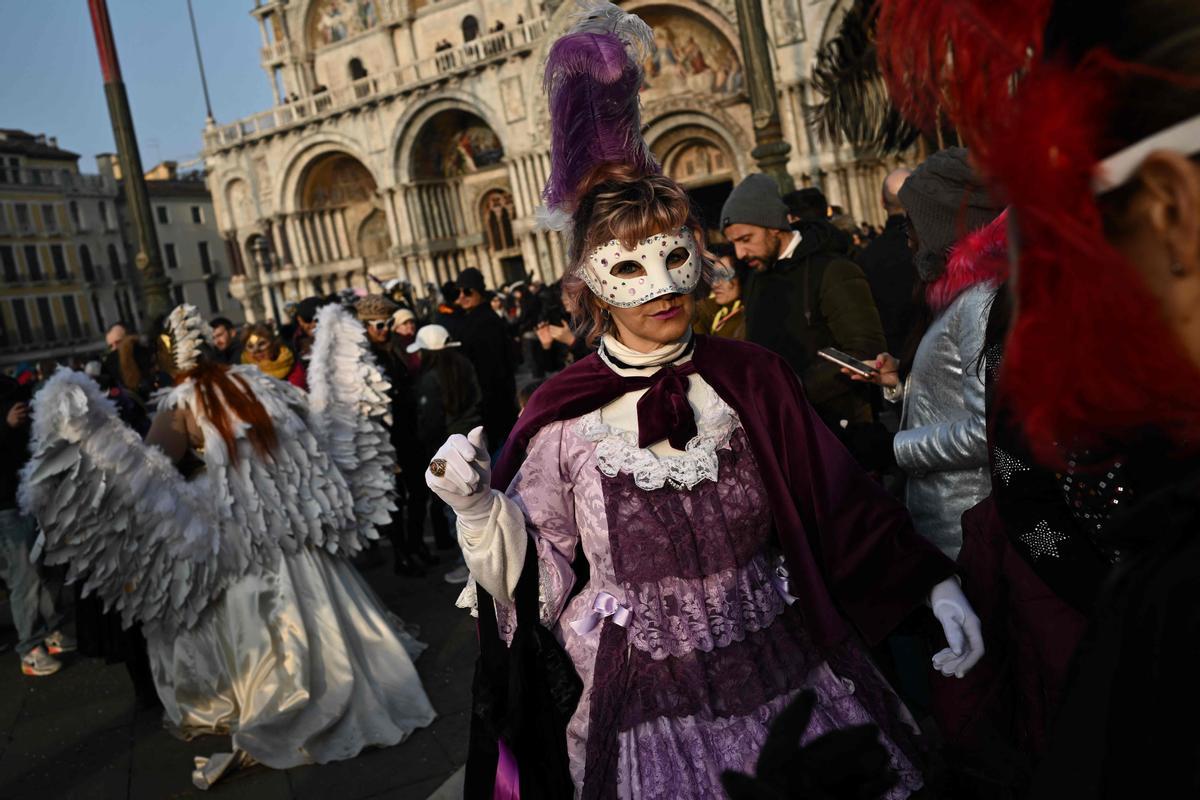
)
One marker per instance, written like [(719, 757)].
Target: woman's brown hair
[(619, 203), (127, 362)]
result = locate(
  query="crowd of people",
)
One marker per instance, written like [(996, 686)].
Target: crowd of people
[(773, 507)]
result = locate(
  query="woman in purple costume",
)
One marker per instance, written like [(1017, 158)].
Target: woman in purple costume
[(699, 543)]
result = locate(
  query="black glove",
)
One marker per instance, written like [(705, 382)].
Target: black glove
[(872, 444), (848, 764)]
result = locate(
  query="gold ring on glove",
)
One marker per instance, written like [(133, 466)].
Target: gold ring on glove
[(438, 467)]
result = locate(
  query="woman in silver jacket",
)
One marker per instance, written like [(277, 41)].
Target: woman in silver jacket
[(942, 443)]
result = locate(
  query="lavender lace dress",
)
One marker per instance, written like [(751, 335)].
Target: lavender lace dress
[(709, 651)]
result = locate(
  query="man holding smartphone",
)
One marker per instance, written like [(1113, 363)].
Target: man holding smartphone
[(804, 294)]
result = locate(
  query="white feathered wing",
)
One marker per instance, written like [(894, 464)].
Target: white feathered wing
[(351, 412), (117, 511), (159, 549)]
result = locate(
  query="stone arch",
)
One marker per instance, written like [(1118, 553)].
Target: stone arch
[(372, 239), (344, 195), (300, 155), (694, 156), (712, 124), (497, 212), (255, 251), (410, 125), (702, 154), (470, 28), (239, 203)]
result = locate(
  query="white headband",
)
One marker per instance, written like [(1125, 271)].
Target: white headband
[(1183, 137)]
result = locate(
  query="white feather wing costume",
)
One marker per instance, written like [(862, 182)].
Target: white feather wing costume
[(158, 548)]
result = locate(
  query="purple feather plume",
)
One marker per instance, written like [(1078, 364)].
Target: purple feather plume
[(593, 76)]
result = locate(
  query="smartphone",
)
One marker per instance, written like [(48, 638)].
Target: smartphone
[(848, 361)]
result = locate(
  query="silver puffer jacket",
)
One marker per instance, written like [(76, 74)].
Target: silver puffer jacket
[(942, 444)]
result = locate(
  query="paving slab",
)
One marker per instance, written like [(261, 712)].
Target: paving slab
[(60, 756), (79, 734), (373, 772)]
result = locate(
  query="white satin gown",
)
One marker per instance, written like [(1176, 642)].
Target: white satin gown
[(299, 666)]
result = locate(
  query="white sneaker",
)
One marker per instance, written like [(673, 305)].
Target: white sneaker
[(58, 643), (38, 663), (457, 575)]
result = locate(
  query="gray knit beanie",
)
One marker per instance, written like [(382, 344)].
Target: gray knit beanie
[(945, 200), (755, 201)]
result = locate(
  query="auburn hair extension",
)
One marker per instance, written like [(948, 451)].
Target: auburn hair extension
[(225, 399)]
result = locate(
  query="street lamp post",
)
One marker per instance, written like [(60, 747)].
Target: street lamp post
[(770, 149), (155, 285)]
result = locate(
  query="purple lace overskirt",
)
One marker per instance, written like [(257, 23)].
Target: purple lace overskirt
[(711, 652)]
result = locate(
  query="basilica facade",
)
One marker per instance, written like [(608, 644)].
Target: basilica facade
[(410, 138)]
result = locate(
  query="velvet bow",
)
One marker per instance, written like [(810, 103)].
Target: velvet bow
[(664, 411)]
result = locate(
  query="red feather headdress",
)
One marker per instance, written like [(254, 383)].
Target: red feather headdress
[(1089, 357)]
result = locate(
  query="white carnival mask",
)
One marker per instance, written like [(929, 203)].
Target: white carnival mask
[(668, 263)]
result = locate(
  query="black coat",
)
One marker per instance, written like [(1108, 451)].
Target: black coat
[(1128, 725), (14, 442), (403, 396), (888, 264), (817, 298), (487, 345)]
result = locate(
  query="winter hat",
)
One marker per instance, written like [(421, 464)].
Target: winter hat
[(471, 279), (432, 337), (374, 306), (307, 308), (808, 203), (755, 201), (402, 316), (945, 200)]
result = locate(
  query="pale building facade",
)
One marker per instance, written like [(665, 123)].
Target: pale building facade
[(63, 270), (193, 253), (411, 137)]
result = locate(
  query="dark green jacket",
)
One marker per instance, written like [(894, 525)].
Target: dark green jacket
[(817, 298)]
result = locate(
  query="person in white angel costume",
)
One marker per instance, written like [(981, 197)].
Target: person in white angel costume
[(257, 624)]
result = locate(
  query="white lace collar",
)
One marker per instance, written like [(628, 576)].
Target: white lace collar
[(617, 450)]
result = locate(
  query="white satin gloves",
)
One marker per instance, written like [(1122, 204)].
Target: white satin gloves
[(961, 625), (461, 474), (491, 527)]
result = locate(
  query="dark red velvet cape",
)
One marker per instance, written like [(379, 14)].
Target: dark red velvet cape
[(851, 549), (855, 562)]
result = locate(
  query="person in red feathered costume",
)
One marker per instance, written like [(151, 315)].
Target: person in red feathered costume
[(1087, 118)]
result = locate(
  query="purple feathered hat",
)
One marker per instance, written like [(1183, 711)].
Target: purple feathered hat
[(593, 76)]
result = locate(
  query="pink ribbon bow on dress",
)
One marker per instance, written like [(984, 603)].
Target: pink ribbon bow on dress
[(604, 605)]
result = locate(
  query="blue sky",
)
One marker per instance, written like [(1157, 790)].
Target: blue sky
[(52, 80)]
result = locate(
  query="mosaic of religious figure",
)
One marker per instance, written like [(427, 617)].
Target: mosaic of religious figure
[(455, 143), (335, 20), (337, 180), (691, 56)]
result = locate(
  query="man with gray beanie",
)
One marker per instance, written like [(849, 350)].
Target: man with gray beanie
[(803, 294)]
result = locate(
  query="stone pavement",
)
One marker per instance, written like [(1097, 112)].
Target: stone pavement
[(78, 734)]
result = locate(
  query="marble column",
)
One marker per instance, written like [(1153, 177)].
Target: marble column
[(518, 187), (387, 196)]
